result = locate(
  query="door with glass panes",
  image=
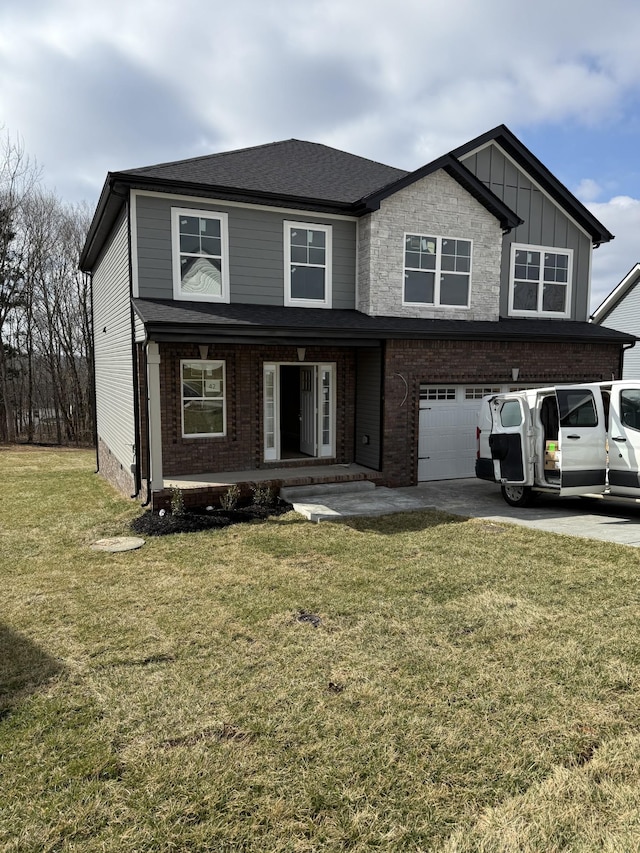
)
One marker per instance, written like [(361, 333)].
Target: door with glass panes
[(298, 411)]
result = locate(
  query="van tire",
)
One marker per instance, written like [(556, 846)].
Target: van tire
[(517, 495)]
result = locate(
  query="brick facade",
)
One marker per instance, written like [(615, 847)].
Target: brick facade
[(407, 364), (242, 447), (114, 471)]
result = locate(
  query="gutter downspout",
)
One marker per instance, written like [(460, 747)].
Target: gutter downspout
[(148, 451), (137, 474), (154, 420), (625, 347), (94, 401)]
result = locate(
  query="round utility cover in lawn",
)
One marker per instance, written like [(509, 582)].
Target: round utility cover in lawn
[(118, 543)]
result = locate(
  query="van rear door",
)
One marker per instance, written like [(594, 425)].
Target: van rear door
[(583, 433), (624, 439), (510, 440)]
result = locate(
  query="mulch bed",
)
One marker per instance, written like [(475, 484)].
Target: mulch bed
[(196, 519)]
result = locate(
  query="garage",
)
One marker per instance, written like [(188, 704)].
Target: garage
[(447, 429)]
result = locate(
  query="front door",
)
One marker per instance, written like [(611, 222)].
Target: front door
[(298, 411)]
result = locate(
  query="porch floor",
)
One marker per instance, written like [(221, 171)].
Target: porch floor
[(304, 476)]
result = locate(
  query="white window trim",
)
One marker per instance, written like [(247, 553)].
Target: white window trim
[(556, 250), (308, 303), (216, 362), (223, 218), (437, 272), (323, 451)]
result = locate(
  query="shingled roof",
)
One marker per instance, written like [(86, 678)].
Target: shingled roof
[(288, 168), (292, 173), (166, 319)]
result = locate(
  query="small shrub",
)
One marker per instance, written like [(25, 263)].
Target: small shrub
[(263, 496), (177, 502), (230, 498)]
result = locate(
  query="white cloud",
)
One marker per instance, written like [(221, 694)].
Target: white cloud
[(612, 261), (588, 190), (399, 82)]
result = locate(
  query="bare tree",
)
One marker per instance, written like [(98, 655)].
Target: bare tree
[(18, 176), (46, 343)]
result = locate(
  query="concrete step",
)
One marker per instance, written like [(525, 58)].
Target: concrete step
[(321, 490), (346, 502)]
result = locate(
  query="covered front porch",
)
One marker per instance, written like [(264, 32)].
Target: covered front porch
[(209, 487)]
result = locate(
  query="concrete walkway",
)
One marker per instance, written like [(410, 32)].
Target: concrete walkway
[(607, 519), (592, 518)]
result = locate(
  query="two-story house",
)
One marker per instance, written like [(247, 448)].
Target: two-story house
[(292, 305)]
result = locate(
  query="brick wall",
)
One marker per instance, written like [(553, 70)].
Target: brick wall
[(113, 471), (438, 206), (242, 447), (409, 363)]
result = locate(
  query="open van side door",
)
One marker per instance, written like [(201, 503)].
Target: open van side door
[(624, 439), (583, 434), (510, 440)]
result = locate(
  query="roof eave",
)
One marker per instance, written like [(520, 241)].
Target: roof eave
[(508, 218), (229, 193)]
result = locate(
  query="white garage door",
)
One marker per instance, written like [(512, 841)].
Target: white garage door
[(447, 430)]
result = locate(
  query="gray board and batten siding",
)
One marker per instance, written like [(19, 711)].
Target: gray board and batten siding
[(545, 224), (368, 407), (256, 251), (115, 414)]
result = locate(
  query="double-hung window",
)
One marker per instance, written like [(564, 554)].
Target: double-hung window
[(437, 271), (203, 398), (307, 264), (540, 281), (200, 245)]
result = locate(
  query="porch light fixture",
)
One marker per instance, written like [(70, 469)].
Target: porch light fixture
[(515, 373), (204, 351), (301, 353)]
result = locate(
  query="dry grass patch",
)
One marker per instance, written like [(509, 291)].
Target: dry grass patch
[(415, 682)]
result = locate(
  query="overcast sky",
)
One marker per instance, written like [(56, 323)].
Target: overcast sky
[(97, 87)]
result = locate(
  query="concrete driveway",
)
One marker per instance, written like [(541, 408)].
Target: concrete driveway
[(591, 518)]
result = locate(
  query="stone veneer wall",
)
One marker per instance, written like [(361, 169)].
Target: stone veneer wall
[(438, 206)]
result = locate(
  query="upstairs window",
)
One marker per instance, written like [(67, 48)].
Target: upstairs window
[(307, 264), (540, 281), (200, 255), (437, 271)]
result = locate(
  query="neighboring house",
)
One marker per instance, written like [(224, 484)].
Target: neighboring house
[(293, 305), (621, 310)]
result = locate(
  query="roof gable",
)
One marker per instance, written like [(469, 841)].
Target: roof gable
[(541, 175), (617, 295), (456, 170)]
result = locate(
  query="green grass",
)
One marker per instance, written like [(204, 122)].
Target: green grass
[(471, 686)]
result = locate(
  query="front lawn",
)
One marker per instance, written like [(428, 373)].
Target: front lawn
[(418, 682)]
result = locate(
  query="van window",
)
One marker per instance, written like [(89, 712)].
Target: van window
[(630, 408), (511, 414), (577, 408)]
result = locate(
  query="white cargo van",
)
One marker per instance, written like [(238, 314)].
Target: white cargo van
[(563, 440)]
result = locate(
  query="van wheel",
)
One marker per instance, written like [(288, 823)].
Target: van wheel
[(517, 495)]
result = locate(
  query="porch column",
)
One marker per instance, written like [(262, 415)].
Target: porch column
[(155, 421)]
